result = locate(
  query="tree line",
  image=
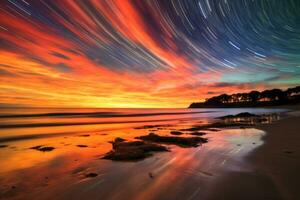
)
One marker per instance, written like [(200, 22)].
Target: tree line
[(253, 99)]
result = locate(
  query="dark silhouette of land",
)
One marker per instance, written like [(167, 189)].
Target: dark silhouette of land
[(274, 97)]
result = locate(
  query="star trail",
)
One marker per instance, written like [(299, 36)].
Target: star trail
[(144, 53)]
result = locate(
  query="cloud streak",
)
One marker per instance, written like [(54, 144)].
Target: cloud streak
[(143, 53)]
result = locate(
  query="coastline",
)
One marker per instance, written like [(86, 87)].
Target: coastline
[(275, 165), (234, 164), (282, 150)]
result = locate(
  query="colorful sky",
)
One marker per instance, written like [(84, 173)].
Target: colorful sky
[(144, 53)]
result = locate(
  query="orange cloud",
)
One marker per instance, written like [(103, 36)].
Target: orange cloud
[(40, 66)]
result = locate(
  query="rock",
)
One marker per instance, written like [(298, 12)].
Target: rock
[(82, 145), (84, 135), (176, 133), (150, 175), (42, 148), (91, 175), (133, 150), (180, 141), (46, 149), (240, 115), (118, 139), (197, 133), (36, 147), (213, 126)]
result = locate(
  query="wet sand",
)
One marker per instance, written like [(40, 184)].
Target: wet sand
[(275, 165)]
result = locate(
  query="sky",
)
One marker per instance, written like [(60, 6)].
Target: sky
[(144, 53)]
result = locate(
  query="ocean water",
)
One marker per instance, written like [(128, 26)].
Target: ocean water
[(27, 122), (81, 137)]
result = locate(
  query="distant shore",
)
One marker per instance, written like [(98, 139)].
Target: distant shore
[(266, 98), (245, 105), (276, 165)]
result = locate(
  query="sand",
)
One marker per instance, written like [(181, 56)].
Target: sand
[(276, 165)]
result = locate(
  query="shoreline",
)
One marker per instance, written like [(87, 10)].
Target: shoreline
[(234, 164), (275, 165), (283, 155)]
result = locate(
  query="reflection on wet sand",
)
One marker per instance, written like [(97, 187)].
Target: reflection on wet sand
[(71, 172), (260, 119)]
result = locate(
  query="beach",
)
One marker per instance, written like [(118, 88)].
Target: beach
[(66, 161), (276, 165), (282, 149)]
